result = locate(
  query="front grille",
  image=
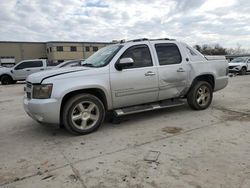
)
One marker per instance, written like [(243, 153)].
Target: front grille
[(231, 67), (28, 90), (28, 84), (28, 95)]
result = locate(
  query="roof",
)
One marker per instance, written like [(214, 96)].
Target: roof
[(145, 39)]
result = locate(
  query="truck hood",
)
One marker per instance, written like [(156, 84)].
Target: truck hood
[(236, 64), (40, 76), (4, 69)]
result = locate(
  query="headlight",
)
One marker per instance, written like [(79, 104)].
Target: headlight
[(42, 91)]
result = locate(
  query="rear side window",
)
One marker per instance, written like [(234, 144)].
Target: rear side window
[(37, 64), (140, 54), (168, 54)]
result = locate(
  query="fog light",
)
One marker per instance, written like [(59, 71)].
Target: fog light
[(38, 117)]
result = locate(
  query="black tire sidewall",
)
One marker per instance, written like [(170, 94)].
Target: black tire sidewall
[(193, 93), (6, 78), (243, 71), (68, 108)]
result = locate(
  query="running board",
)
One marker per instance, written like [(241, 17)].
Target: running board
[(148, 107)]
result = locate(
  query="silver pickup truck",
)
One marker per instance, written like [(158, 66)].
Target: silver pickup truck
[(124, 78)]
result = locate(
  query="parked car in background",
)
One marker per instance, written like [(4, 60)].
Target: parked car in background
[(240, 65), (70, 63), (124, 78), (21, 70), (8, 65)]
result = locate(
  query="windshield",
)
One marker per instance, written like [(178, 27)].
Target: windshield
[(239, 60), (71, 63), (102, 57), (62, 64)]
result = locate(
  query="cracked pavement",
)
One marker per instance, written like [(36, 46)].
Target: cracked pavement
[(209, 148)]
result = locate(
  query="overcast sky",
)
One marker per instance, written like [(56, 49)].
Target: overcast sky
[(226, 22)]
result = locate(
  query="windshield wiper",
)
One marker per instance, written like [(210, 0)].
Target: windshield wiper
[(88, 65)]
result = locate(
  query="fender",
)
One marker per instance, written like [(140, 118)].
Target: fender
[(8, 74), (209, 77), (106, 95)]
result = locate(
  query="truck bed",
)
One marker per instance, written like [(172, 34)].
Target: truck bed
[(215, 57)]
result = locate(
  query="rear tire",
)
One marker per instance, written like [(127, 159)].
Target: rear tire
[(243, 71), (83, 114), (200, 96), (6, 80)]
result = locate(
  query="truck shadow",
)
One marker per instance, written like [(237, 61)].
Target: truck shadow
[(146, 115), (119, 122)]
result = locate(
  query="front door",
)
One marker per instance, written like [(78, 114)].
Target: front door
[(136, 84), (19, 70)]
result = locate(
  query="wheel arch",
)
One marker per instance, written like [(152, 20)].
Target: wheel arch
[(244, 66), (204, 77), (6, 74), (97, 92)]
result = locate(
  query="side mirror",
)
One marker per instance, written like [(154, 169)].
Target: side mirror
[(124, 62)]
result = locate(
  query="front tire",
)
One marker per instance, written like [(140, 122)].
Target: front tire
[(200, 96), (243, 71), (83, 114), (6, 80)]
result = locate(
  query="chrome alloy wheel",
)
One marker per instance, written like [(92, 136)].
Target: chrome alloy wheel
[(85, 115), (203, 95)]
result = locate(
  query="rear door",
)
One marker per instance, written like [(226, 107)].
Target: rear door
[(172, 69), (37, 66), (137, 84)]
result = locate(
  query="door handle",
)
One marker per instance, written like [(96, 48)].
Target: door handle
[(41, 69), (180, 70), (28, 70), (149, 73)]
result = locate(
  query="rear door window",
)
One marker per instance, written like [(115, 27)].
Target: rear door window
[(168, 53), (36, 64)]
